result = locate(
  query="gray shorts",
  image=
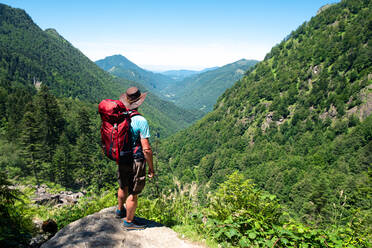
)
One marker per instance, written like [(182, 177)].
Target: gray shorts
[(132, 176)]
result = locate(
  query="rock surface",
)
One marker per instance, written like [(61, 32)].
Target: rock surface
[(102, 229), (43, 197)]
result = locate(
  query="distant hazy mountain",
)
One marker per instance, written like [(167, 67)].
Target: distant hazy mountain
[(201, 91), (179, 75), (120, 66), (208, 69)]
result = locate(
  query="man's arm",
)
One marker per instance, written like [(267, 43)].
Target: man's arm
[(147, 151)]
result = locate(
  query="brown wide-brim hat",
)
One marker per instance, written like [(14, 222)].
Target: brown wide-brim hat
[(132, 98)]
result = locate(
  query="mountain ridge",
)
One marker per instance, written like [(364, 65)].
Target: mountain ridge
[(122, 67)]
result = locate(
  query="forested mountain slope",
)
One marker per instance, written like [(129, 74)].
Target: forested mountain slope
[(298, 123), (201, 91), (30, 55), (120, 66)]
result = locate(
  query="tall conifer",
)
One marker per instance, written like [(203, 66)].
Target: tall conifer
[(85, 149), (51, 121), (31, 139), (62, 165)]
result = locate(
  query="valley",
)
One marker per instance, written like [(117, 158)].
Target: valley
[(192, 90)]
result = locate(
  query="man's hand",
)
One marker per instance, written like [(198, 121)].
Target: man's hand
[(151, 173)]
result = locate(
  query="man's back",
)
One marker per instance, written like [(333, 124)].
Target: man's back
[(139, 128)]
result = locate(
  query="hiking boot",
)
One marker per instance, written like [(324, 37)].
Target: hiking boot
[(133, 226), (120, 213)]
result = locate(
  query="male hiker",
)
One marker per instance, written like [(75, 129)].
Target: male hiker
[(132, 176)]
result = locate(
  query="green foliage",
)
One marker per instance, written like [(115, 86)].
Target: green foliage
[(91, 203), (15, 223), (238, 214), (59, 142), (176, 207), (241, 215)]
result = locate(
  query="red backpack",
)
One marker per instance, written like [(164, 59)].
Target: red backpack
[(115, 130)]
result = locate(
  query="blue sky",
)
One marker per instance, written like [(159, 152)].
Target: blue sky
[(160, 35)]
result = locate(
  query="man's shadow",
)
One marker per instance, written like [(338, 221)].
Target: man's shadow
[(147, 223)]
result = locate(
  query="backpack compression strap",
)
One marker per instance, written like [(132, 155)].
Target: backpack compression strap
[(133, 113)]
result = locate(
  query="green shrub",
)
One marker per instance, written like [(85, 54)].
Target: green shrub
[(15, 222), (239, 215), (178, 207), (89, 204)]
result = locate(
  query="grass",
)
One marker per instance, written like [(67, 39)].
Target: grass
[(188, 233)]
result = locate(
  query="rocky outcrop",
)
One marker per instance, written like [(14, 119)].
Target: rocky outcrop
[(102, 229), (324, 7), (42, 197), (366, 106)]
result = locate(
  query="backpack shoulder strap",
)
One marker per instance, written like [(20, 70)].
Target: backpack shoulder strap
[(133, 113)]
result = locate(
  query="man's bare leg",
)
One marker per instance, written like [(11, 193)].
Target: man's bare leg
[(131, 205), (122, 197)]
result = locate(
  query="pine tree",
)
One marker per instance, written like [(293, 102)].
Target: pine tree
[(31, 139), (15, 106), (51, 121), (84, 150), (62, 165), (84, 123)]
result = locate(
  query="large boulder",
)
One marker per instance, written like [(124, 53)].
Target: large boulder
[(102, 229)]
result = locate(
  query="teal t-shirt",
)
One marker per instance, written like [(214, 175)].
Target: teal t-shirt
[(139, 128)]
